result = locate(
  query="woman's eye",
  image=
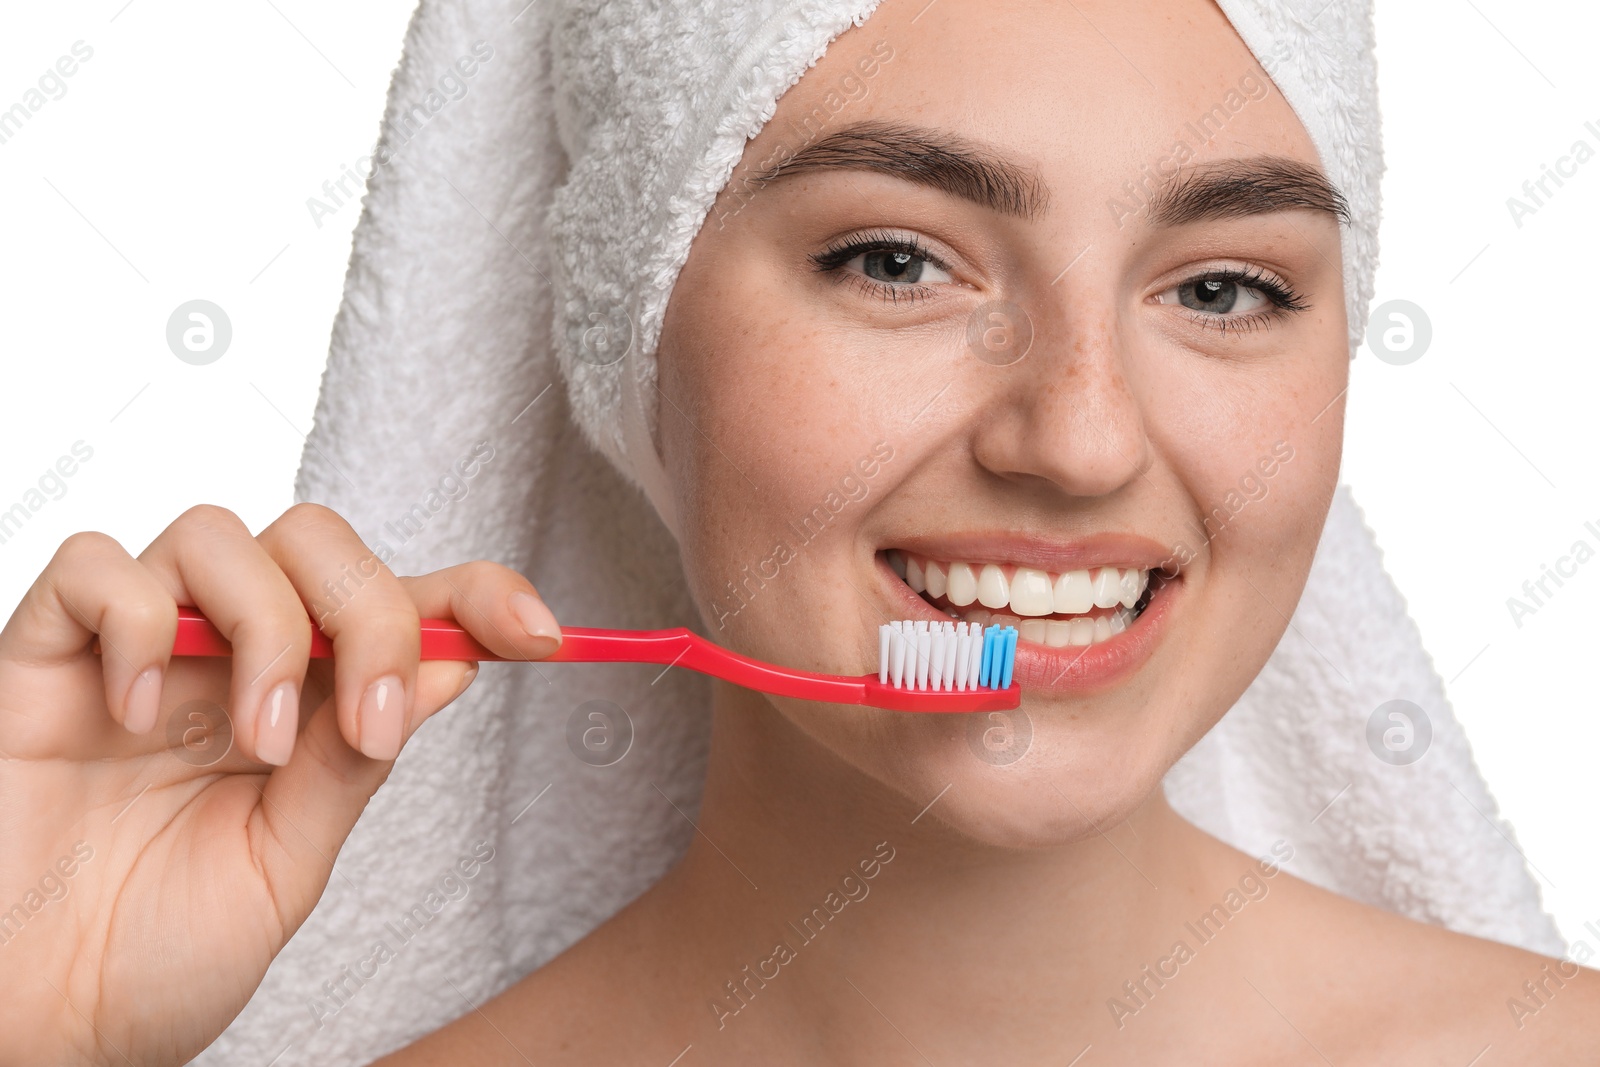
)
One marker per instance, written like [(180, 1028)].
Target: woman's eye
[(1219, 296), (888, 265), (895, 266)]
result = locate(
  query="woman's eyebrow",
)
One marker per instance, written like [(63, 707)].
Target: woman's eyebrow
[(1227, 188), (924, 155), (1236, 188)]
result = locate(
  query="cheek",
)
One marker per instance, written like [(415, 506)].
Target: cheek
[(1256, 447), (1257, 450), (765, 445)]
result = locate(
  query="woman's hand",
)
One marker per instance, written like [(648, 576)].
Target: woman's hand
[(167, 824)]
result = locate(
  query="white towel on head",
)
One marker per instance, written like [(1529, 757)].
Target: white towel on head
[(473, 281)]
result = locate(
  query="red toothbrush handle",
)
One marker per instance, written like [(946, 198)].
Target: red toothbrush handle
[(443, 639)]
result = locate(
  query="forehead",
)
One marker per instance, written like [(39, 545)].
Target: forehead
[(1092, 93)]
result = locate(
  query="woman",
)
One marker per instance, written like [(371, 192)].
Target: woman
[(970, 314)]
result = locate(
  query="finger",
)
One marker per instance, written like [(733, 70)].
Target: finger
[(208, 558), (93, 586), (312, 803), (493, 603), (363, 608)]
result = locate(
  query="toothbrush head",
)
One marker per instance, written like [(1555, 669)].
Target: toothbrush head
[(919, 662)]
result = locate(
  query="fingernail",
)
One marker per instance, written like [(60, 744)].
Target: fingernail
[(379, 718), (536, 620), (466, 680), (143, 701), (277, 723)]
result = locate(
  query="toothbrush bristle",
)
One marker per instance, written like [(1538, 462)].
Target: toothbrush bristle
[(946, 656)]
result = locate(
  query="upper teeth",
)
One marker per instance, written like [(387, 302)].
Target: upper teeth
[(1028, 592)]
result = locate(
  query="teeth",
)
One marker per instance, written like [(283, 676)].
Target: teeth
[(1134, 583), (993, 589), (1055, 633), (1107, 587), (1074, 593), (962, 585), (1030, 593)]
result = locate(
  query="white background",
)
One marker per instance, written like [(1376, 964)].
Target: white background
[(179, 161)]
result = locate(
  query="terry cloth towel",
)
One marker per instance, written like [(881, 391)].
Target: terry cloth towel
[(514, 240)]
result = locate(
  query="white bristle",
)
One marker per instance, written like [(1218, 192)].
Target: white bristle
[(924, 653), (897, 653), (941, 656), (975, 667), (963, 645), (948, 674)]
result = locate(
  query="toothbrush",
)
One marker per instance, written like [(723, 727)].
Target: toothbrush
[(938, 667)]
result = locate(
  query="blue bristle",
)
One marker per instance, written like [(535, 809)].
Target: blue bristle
[(1009, 659), (997, 661), (997, 649)]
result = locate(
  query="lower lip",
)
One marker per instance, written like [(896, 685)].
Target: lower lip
[(1082, 669)]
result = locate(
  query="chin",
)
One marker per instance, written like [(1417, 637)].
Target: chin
[(1049, 774)]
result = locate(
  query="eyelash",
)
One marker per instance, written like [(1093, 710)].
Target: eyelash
[(1283, 297), (836, 256)]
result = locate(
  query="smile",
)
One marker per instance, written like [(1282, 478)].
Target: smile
[(1086, 617), (1075, 607)]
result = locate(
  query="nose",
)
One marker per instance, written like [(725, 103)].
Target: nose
[(1065, 412)]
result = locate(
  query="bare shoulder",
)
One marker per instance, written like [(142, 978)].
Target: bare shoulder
[(1423, 994)]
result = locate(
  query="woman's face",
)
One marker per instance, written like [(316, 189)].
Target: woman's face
[(1040, 289)]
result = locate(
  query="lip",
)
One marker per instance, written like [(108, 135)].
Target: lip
[(1073, 670)]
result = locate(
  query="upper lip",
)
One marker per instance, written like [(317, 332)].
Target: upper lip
[(1107, 549)]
